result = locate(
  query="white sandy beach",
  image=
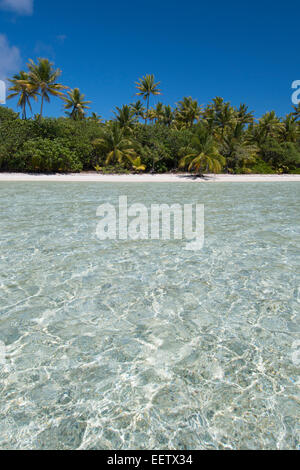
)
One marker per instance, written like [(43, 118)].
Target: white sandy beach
[(148, 178)]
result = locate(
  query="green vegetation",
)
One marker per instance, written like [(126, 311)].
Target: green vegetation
[(202, 154), (75, 101), (147, 87), (42, 80), (19, 88), (212, 138)]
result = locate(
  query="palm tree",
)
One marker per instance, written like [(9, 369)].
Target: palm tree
[(291, 130), (219, 115), (115, 145), (159, 112), (43, 79), (138, 109), (156, 114), (203, 154), (20, 87), (168, 116), (147, 87), (151, 114), (225, 117), (188, 111), (75, 102), (95, 117), (296, 112), (243, 115), (237, 149), (126, 118), (209, 118), (270, 125)]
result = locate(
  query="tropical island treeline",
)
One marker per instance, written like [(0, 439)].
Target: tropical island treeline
[(212, 138)]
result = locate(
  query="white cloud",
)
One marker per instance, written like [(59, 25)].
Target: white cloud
[(21, 7), (10, 58)]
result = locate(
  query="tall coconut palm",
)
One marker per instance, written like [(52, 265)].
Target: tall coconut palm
[(188, 111), (126, 118), (270, 125), (159, 112), (225, 117), (138, 109), (209, 118), (43, 79), (218, 116), (75, 101), (20, 87), (244, 116), (290, 131), (168, 116), (238, 151), (156, 114), (115, 145), (147, 87), (210, 113), (151, 114), (203, 154)]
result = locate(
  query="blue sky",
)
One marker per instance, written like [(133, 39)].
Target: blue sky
[(243, 51)]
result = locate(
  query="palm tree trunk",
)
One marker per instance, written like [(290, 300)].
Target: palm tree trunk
[(41, 112), (24, 111), (146, 120)]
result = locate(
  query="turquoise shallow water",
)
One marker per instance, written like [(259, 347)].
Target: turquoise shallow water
[(142, 344)]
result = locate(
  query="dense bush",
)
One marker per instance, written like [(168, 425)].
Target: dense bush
[(261, 167), (7, 114), (64, 144), (281, 156), (160, 145), (19, 139), (13, 135), (46, 155)]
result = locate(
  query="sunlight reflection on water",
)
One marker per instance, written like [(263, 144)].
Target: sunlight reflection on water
[(131, 345)]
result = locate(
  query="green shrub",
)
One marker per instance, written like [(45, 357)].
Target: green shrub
[(261, 167), (160, 145), (281, 156), (7, 114), (46, 155), (73, 136)]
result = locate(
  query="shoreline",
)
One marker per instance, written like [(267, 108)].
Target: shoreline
[(147, 178)]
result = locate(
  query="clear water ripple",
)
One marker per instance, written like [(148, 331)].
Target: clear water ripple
[(132, 345)]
